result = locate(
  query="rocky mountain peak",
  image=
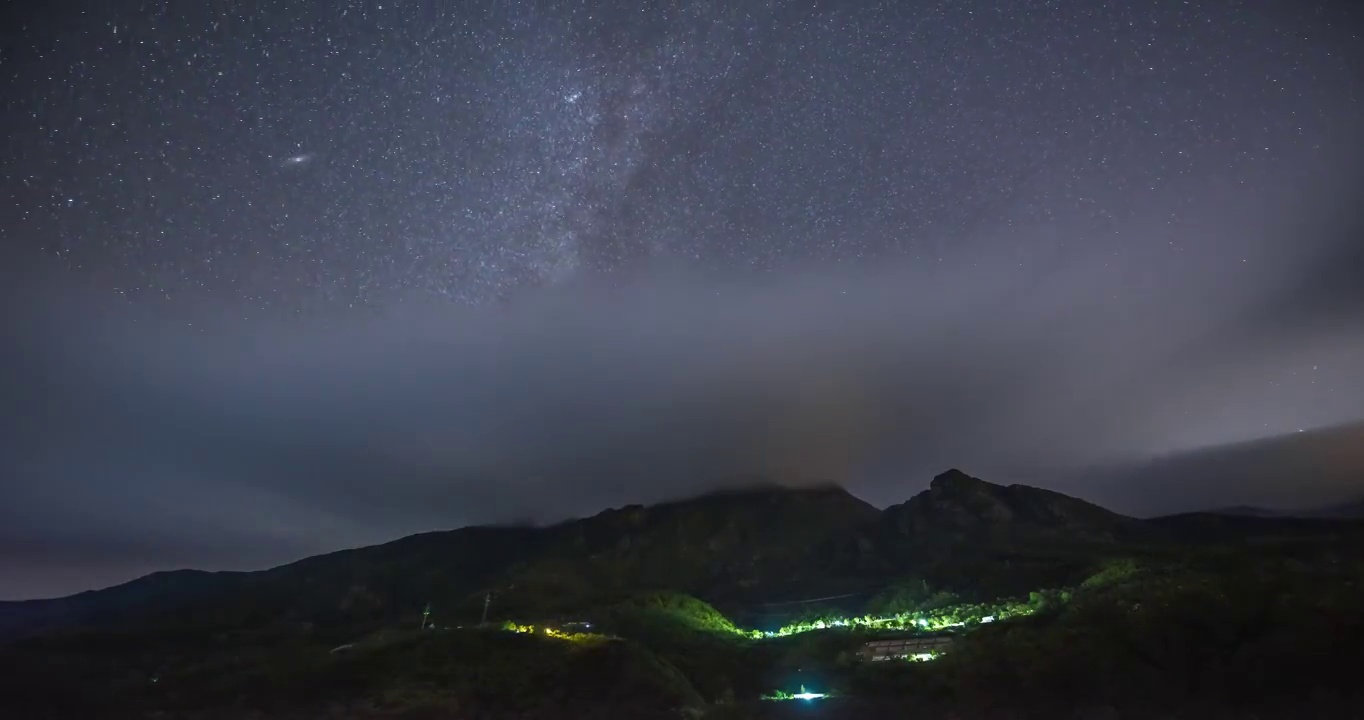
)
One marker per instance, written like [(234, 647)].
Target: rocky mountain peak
[(952, 478), (957, 505)]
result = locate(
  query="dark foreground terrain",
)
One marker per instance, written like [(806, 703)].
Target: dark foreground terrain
[(1055, 608)]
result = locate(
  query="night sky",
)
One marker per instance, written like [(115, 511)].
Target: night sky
[(281, 278)]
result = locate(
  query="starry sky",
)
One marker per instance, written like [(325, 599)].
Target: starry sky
[(281, 278)]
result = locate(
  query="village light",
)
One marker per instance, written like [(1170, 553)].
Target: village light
[(804, 695), (807, 696)]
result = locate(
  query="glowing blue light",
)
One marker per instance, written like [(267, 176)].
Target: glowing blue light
[(807, 696)]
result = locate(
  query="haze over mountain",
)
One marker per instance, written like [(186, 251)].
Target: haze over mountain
[(140, 447), (277, 280)]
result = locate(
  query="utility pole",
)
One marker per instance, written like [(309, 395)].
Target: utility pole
[(487, 600), (425, 614)]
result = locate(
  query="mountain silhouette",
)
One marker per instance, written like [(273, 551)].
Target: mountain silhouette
[(735, 547)]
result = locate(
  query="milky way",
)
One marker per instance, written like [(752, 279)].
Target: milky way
[(467, 153), (380, 268)]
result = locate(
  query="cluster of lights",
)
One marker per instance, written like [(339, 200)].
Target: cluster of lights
[(899, 621), (918, 621), (930, 621), (552, 632), (804, 695)]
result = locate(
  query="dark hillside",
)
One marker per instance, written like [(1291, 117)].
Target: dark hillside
[(754, 550), (722, 546), (1044, 596)]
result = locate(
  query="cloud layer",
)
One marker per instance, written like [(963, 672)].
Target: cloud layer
[(174, 436)]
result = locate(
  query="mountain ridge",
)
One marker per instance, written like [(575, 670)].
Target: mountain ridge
[(958, 506), (1345, 510), (734, 546)]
